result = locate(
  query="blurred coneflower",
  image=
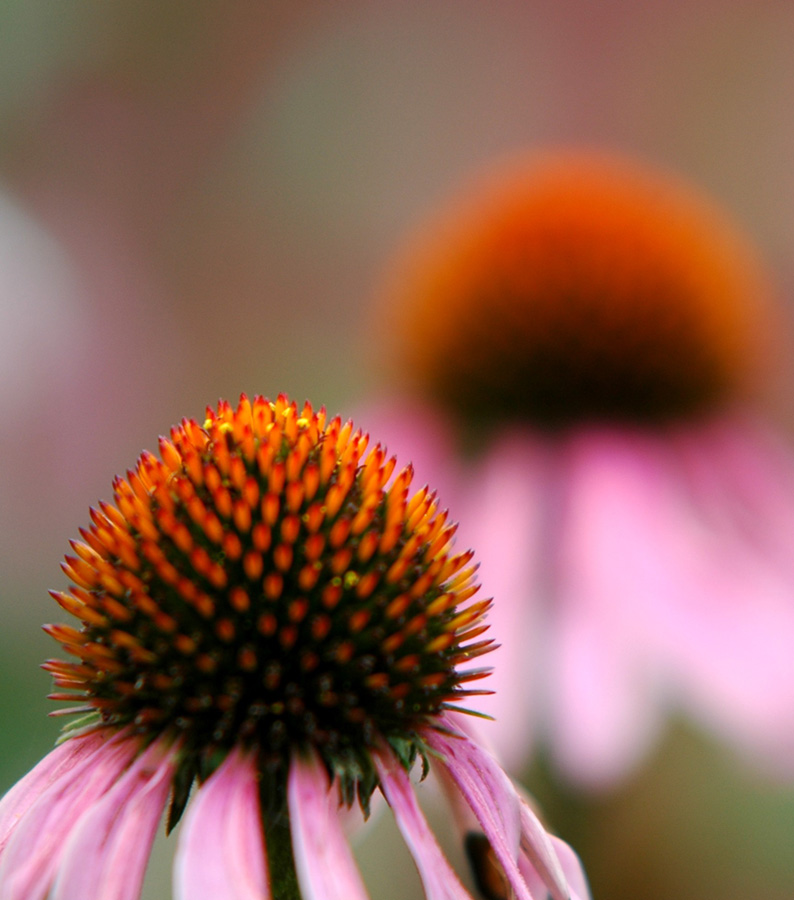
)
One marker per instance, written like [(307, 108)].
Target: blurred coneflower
[(267, 613), (580, 340)]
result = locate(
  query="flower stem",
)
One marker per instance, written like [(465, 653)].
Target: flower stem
[(281, 862)]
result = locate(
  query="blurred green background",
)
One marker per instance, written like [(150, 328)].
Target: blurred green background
[(198, 198)]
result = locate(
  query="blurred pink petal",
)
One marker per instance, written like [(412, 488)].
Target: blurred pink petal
[(741, 476), (735, 657), (419, 435), (221, 852), (503, 517), (633, 572), (620, 555)]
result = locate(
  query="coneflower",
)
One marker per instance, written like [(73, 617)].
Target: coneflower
[(268, 615), (587, 335)]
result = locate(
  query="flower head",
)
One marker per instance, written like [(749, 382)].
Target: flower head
[(599, 328), (579, 286), (257, 585), (265, 610)]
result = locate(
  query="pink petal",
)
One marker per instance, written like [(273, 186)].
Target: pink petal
[(325, 866), (417, 434), (36, 845), (734, 667), (572, 869), (734, 659), (549, 867), (742, 476), (538, 849), (561, 866), (221, 852), (503, 518), (624, 550), (491, 797), (604, 705), (438, 878), (106, 853), (27, 790)]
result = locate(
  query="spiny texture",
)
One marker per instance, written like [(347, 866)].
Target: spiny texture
[(268, 582), (579, 286)]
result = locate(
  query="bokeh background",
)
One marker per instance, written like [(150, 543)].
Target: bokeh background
[(199, 198)]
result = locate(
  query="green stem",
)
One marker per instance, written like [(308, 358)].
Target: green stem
[(280, 860)]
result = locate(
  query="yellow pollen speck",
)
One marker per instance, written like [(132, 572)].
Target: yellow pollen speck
[(350, 580)]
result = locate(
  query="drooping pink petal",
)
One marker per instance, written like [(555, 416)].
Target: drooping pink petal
[(697, 612), (734, 662), (325, 866), (603, 704), (438, 877), (572, 869), (733, 666), (35, 847), (503, 516), (624, 548), (106, 853), (538, 848), (57, 762), (494, 802), (742, 478), (221, 853), (538, 867)]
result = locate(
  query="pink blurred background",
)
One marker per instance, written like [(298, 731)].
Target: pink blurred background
[(198, 199)]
